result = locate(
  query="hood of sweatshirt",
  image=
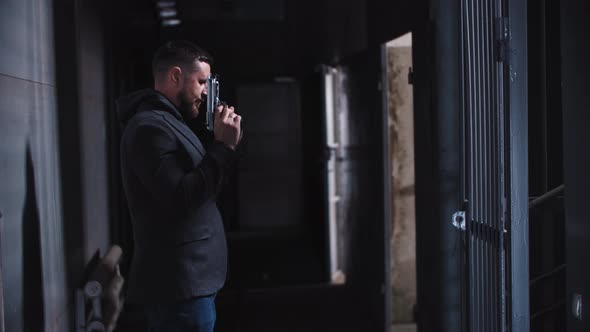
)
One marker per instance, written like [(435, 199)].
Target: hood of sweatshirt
[(143, 100)]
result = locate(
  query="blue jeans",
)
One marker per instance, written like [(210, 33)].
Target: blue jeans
[(192, 315)]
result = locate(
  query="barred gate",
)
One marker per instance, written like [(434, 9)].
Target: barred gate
[(484, 36)]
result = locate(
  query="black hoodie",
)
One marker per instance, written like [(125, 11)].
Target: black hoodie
[(128, 106), (171, 181)]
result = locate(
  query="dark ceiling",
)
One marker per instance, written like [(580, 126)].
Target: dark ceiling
[(262, 39)]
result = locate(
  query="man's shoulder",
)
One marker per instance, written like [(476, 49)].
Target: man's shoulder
[(150, 118), (145, 122)]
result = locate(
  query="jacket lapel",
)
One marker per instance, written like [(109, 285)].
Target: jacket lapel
[(186, 132), (173, 117)]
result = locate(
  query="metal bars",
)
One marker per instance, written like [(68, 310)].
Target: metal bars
[(483, 131)]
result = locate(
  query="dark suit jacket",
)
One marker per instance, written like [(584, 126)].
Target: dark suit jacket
[(171, 182)]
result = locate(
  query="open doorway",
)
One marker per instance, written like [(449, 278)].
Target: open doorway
[(402, 215)]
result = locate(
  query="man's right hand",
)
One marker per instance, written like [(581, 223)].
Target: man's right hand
[(227, 126)]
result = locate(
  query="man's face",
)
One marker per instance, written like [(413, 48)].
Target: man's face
[(194, 88)]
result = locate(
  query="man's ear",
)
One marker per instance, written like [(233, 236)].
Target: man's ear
[(175, 75)]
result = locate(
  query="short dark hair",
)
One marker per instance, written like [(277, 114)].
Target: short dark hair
[(180, 53)]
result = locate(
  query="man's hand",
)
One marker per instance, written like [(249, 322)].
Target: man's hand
[(227, 126)]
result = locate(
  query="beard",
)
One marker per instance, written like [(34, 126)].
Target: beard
[(189, 107)]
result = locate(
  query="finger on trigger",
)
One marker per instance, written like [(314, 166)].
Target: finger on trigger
[(219, 110), (225, 114)]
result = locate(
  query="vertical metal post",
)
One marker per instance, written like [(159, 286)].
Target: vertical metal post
[(465, 171), (517, 165), (448, 129), (502, 192), (331, 145)]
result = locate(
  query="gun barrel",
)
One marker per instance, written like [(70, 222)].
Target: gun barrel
[(212, 100)]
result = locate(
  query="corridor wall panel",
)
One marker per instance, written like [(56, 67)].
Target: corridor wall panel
[(31, 237)]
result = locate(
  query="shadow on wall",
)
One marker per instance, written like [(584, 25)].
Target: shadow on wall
[(32, 311)]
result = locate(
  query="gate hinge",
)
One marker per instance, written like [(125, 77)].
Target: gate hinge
[(458, 220), (502, 32)]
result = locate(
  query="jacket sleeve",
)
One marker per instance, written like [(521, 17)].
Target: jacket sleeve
[(155, 158)]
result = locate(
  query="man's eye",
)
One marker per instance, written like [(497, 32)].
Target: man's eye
[(202, 81)]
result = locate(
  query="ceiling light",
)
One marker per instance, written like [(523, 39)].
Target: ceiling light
[(170, 22), (168, 13), (166, 4)]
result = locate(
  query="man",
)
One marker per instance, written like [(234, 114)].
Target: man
[(171, 181)]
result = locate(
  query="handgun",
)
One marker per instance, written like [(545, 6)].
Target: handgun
[(212, 100)]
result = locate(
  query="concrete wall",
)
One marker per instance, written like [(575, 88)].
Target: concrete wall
[(31, 237), (92, 108), (403, 218), (51, 79)]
